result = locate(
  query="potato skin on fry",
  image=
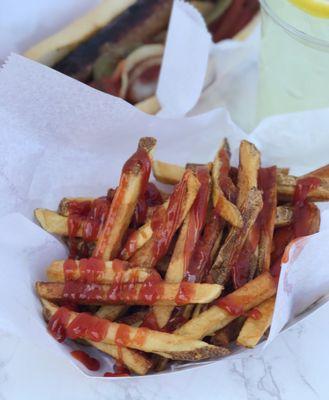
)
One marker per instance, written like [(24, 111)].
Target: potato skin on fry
[(134, 176), (229, 252), (130, 293), (169, 345), (215, 318)]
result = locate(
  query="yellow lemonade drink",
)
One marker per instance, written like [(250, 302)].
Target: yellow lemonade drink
[(294, 60)]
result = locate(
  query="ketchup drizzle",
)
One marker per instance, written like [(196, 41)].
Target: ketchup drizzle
[(197, 217), (88, 216), (165, 222), (303, 212), (139, 159), (200, 262), (89, 362)]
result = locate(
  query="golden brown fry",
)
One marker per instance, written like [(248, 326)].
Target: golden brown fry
[(139, 237), (145, 257), (57, 224), (284, 215), (139, 293), (228, 334), (253, 329), (227, 210), (114, 271), (245, 298), (133, 176), (267, 183), (166, 344), (134, 360), (236, 238), (187, 240), (52, 222), (322, 172), (111, 312), (167, 173), (64, 205), (248, 170), (287, 185)]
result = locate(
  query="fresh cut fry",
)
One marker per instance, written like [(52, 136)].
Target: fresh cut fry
[(165, 223), (223, 187), (96, 271), (267, 183), (230, 307), (255, 326), (69, 324), (134, 177), (133, 360), (167, 173), (230, 251), (187, 240), (147, 293)]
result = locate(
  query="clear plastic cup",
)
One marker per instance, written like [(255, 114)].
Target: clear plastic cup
[(294, 60)]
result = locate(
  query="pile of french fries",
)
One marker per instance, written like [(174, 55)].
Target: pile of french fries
[(184, 275)]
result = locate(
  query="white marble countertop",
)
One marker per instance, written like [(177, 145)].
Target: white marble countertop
[(293, 367)]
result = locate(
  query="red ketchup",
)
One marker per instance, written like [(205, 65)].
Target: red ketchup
[(89, 216), (200, 262), (254, 314), (114, 374), (185, 293), (197, 218), (232, 307), (301, 225), (83, 326), (165, 222), (139, 159), (89, 362)]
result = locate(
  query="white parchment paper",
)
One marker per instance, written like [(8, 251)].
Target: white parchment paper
[(62, 138)]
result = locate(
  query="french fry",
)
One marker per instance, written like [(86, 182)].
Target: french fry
[(267, 183), (307, 224), (134, 360), (287, 186), (230, 251), (284, 215), (221, 180), (167, 173), (322, 172), (158, 293), (168, 345), (111, 312), (246, 264), (241, 300), (253, 329), (132, 183), (52, 222), (109, 272), (229, 333), (138, 238), (248, 170), (167, 222), (187, 240), (64, 205)]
